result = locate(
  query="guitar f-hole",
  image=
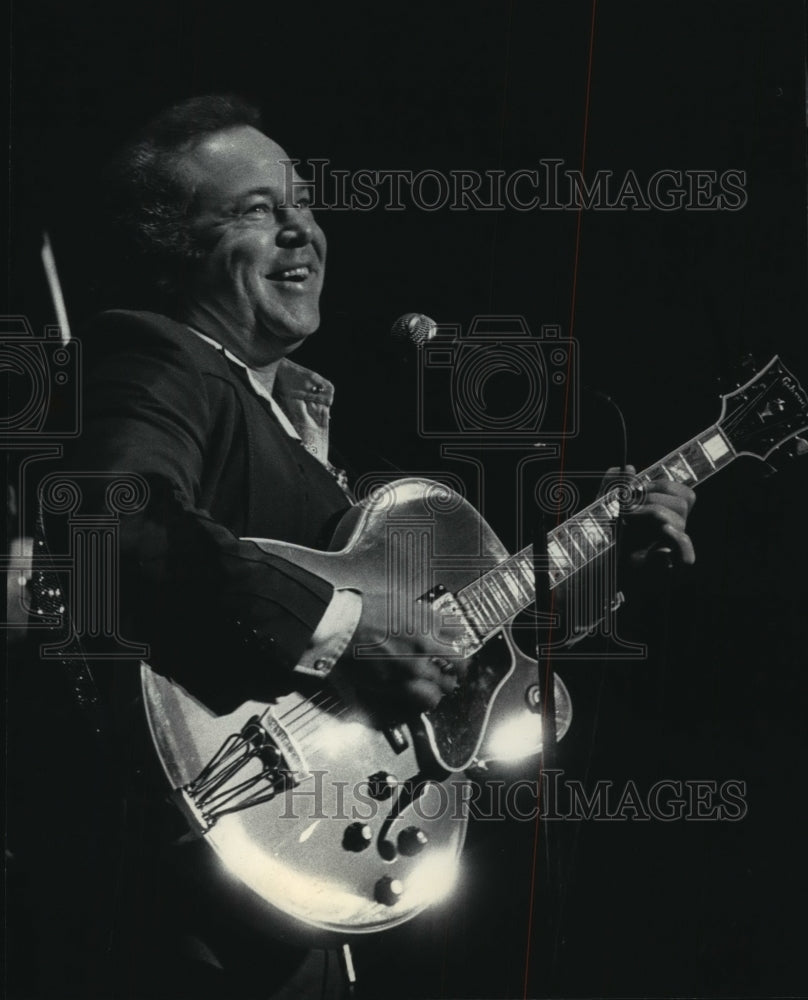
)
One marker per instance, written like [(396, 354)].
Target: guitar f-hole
[(408, 793)]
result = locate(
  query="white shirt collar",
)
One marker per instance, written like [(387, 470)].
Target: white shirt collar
[(259, 388)]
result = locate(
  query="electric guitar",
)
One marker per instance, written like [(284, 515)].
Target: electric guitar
[(343, 822)]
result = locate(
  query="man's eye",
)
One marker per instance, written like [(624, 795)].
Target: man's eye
[(260, 208)]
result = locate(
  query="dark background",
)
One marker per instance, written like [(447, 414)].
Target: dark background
[(661, 304)]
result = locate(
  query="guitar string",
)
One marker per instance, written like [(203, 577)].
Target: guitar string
[(746, 407), (316, 742), (480, 602), (314, 733), (730, 423), (473, 598), (303, 732), (312, 725), (310, 702), (473, 595), (295, 726), (314, 711), (323, 701), (316, 739)]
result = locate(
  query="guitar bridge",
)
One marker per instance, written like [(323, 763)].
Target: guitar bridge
[(250, 767)]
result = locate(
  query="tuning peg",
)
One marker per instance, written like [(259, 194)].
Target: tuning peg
[(741, 371), (795, 447), (738, 372), (798, 447)]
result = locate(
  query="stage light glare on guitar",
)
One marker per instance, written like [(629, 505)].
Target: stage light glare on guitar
[(271, 880), (515, 738), (434, 879), (337, 737)]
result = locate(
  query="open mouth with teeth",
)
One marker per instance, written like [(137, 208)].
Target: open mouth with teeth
[(292, 274)]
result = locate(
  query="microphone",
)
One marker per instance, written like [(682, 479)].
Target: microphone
[(413, 328), (603, 397)]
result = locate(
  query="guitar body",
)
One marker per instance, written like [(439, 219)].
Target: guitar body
[(327, 814), (336, 820)]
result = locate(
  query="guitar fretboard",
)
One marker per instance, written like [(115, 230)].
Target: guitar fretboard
[(493, 599)]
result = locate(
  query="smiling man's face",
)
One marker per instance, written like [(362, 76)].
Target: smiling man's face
[(257, 289)]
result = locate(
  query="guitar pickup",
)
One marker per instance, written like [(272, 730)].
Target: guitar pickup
[(466, 642)]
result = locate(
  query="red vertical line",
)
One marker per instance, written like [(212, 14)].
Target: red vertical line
[(547, 671)]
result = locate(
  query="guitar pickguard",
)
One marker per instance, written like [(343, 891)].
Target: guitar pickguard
[(458, 723)]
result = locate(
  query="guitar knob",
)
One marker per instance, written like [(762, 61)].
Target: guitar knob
[(412, 841), (388, 890), (357, 837), (381, 785)]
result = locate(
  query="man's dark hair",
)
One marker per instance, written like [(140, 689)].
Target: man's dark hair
[(148, 203)]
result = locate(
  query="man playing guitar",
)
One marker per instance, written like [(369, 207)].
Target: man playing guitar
[(197, 406)]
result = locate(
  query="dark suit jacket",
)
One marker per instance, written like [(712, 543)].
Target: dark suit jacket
[(220, 615)]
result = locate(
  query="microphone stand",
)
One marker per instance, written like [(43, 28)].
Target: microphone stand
[(548, 887)]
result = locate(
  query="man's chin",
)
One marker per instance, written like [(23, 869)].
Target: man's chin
[(290, 338), (293, 331)]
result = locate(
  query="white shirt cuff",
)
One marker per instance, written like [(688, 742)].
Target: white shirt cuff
[(332, 635)]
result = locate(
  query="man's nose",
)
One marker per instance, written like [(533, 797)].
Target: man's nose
[(297, 229)]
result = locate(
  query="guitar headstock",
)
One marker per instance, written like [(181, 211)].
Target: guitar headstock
[(765, 412)]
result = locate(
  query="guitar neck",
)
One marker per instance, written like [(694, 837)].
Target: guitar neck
[(504, 591)]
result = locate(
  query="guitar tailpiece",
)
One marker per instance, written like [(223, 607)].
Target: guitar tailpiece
[(216, 790)]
